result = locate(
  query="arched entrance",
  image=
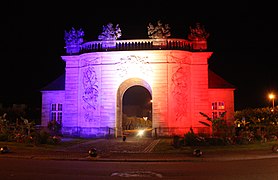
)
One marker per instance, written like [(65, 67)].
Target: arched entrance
[(137, 110), (124, 91)]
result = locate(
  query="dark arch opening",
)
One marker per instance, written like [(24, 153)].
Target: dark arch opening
[(137, 109)]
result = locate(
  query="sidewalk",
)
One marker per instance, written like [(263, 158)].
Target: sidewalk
[(133, 149)]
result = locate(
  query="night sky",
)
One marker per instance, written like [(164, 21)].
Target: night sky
[(243, 39)]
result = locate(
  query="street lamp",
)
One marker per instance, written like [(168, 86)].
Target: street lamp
[(272, 97)]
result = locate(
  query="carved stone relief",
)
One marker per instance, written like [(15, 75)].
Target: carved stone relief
[(90, 94), (179, 90), (140, 62)]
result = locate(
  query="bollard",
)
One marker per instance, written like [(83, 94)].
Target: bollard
[(197, 152), (93, 152), (275, 148), (124, 138)]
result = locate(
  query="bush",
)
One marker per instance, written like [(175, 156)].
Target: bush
[(176, 141), (43, 137), (215, 141), (4, 137), (190, 139), (54, 126)]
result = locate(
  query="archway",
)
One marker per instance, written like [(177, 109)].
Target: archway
[(128, 86), (137, 110)]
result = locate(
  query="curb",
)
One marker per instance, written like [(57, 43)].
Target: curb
[(130, 159)]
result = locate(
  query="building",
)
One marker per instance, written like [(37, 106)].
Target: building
[(87, 98)]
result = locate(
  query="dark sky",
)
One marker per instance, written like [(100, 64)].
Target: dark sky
[(243, 39)]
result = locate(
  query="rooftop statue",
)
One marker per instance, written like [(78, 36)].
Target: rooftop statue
[(159, 31), (110, 33), (74, 37), (198, 33)]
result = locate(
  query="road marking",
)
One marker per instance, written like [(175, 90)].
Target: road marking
[(151, 146), (137, 174)]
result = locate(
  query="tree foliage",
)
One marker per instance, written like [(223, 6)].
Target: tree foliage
[(220, 127), (258, 120)]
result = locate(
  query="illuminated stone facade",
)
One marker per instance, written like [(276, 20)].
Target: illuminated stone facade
[(175, 74), (88, 98)]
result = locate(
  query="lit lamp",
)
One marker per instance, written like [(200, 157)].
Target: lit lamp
[(272, 97)]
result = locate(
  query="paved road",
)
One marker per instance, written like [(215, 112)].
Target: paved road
[(262, 169)]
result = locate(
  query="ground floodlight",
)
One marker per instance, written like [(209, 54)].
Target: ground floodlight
[(197, 152), (4, 149), (93, 152)]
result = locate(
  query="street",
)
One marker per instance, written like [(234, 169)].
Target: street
[(12, 168)]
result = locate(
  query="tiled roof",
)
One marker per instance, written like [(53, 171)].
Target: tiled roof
[(57, 84), (215, 81)]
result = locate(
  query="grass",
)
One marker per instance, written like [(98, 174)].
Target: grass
[(64, 143), (165, 145)]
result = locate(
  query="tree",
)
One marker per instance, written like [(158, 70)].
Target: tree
[(219, 126), (262, 122)]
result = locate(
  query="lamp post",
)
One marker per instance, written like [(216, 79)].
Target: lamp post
[(272, 97)]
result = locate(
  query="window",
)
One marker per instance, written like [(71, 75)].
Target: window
[(221, 105), (214, 106), (218, 105), (218, 108), (56, 112)]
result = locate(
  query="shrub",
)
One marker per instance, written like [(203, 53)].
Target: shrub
[(4, 137), (190, 139), (54, 126), (43, 137), (215, 141), (176, 141)]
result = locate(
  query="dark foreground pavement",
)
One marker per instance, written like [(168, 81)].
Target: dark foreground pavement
[(133, 149)]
